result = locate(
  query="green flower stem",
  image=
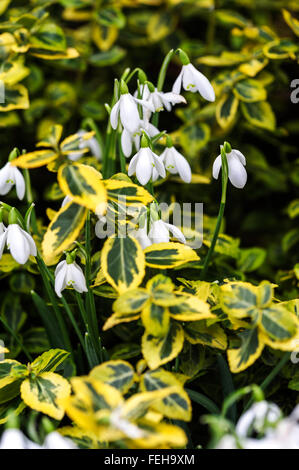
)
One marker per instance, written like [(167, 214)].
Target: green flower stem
[(224, 179), (90, 303), (29, 197), (238, 394), (46, 280), (271, 376), (15, 336), (121, 155), (204, 401), (161, 80)]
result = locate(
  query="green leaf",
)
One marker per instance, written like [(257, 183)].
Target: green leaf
[(177, 404), (250, 91), (226, 110), (49, 361), (251, 259), (160, 350), (119, 374), (293, 209), (259, 114), (278, 323), (49, 36), (123, 263), (155, 319), (111, 57), (63, 230), (111, 16), (290, 239), (250, 349), (45, 392)]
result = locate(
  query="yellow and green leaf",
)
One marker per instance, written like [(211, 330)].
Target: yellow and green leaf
[(45, 392), (199, 333), (169, 255), (123, 263), (63, 230), (119, 374), (160, 350), (35, 159), (248, 352), (226, 110)]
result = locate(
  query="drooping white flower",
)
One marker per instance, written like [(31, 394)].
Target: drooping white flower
[(174, 162), (69, 275), (143, 238), (15, 439), (10, 176), (91, 143), (20, 244), (236, 171), (128, 138), (193, 80), (143, 163), (160, 232), (126, 108)]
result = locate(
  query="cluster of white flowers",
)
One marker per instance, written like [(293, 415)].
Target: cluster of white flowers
[(264, 419), (145, 163)]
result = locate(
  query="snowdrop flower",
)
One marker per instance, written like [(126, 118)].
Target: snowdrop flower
[(236, 171), (92, 144), (144, 162), (127, 138), (142, 237), (126, 108), (160, 232), (69, 274), (260, 414), (15, 439), (174, 162), (20, 244), (193, 80), (10, 175)]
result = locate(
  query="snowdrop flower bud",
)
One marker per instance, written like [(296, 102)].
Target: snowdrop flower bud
[(92, 144), (236, 171), (144, 162), (126, 108), (69, 274), (159, 232), (193, 80), (9, 176), (174, 162), (160, 100), (20, 244)]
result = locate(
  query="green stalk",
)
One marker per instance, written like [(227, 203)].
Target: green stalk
[(161, 80), (121, 155), (203, 401), (224, 179), (90, 303), (29, 197), (45, 276), (271, 376)]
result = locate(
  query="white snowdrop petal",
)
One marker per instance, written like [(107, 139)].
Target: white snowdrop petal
[(78, 277), (158, 232), (144, 166), (132, 165), (159, 165), (240, 156), (129, 115), (203, 85), (216, 167), (176, 232), (59, 267), (126, 142), (236, 172), (17, 244), (20, 183), (114, 115), (188, 79), (3, 238), (142, 237), (31, 243), (60, 280), (54, 440), (178, 83), (173, 98), (182, 166)]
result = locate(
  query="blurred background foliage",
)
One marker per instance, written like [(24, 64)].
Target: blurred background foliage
[(58, 62)]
